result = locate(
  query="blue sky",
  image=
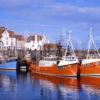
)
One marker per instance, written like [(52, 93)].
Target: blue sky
[(52, 17)]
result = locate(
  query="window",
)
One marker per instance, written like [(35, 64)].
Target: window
[(60, 67)]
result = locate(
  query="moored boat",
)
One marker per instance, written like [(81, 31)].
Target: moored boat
[(91, 64), (67, 66), (8, 65), (69, 61), (47, 66)]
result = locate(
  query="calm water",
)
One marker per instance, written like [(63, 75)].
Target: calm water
[(27, 86)]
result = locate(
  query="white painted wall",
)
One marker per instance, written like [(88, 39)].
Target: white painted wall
[(7, 41), (32, 45)]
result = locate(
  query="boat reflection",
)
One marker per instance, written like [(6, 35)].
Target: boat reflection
[(56, 88), (66, 88), (91, 85), (22, 85), (8, 73)]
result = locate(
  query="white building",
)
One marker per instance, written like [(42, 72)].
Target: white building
[(7, 39), (35, 42)]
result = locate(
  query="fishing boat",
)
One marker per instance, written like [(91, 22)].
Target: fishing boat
[(91, 64), (69, 61), (52, 65), (48, 66)]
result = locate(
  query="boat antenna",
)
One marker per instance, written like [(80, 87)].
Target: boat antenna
[(91, 41)]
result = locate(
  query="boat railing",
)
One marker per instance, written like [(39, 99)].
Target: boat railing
[(51, 58), (93, 56)]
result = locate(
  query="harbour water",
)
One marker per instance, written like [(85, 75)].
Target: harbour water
[(29, 86)]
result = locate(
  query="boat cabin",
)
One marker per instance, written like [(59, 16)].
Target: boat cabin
[(70, 58)]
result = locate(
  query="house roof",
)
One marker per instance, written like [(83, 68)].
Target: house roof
[(51, 46), (19, 37), (32, 38), (2, 29), (11, 33)]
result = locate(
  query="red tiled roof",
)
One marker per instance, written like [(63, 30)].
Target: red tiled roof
[(19, 37), (11, 33), (2, 29), (31, 38), (51, 46)]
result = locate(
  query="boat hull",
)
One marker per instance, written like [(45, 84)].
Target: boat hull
[(11, 65), (90, 69), (54, 70)]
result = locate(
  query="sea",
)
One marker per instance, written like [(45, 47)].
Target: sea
[(30, 86)]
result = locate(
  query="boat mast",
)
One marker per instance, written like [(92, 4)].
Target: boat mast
[(69, 44), (91, 41)]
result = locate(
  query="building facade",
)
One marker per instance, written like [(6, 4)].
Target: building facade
[(35, 42), (7, 39), (20, 42)]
